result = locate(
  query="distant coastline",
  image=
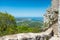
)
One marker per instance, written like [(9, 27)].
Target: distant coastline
[(30, 18)]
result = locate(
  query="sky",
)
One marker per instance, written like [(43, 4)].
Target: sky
[(25, 8)]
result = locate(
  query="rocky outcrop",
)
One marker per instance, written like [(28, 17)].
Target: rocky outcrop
[(25, 36)]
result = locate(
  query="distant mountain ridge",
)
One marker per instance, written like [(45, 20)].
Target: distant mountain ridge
[(29, 18)]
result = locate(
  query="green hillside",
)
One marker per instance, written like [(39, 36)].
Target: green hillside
[(8, 25)]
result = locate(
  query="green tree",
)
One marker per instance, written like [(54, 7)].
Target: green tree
[(7, 24)]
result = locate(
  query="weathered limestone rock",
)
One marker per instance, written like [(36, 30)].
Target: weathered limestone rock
[(26, 36), (52, 16), (59, 20), (55, 7), (55, 38)]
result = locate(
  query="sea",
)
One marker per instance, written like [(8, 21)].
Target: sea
[(29, 18)]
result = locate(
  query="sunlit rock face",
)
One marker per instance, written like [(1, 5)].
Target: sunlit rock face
[(55, 5), (51, 16), (59, 19), (55, 10), (47, 17), (25, 36)]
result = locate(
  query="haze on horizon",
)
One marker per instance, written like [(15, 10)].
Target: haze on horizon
[(25, 8)]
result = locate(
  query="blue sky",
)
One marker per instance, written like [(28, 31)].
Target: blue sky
[(25, 8)]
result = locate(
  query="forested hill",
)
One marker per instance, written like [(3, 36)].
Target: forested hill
[(11, 25), (29, 24), (30, 21)]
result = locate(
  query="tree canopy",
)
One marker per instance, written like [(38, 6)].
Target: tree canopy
[(7, 24)]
